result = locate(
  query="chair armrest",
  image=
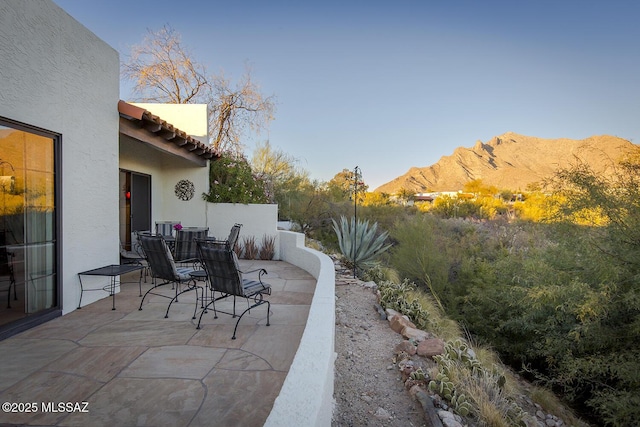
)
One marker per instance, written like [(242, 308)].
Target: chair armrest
[(194, 262), (260, 270)]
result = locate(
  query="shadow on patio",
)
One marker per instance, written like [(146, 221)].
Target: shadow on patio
[(137, 368)]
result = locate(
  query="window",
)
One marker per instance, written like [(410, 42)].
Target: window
[(29, 241)]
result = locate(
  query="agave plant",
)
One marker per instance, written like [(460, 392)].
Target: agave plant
[(359, 243)]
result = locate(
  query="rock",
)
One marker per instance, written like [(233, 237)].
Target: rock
[(407, 347), (430, 347), (391, 312), (427, 405), (445, 414), (531, 421), (381, 313), (450, 422), (417, 335), (370, 285), (448, 419), (382, 414), (414, 390), (398, 323)]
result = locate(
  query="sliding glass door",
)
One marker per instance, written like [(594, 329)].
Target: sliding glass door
[(28, 224)]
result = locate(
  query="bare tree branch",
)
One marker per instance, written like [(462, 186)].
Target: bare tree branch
[(163, 71), (236, 110)]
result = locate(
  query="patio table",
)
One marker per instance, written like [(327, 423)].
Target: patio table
[(113, 271)]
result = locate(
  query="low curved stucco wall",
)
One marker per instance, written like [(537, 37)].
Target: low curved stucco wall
[(306, 397)]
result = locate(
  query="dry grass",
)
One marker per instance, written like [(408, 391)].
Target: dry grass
[(250, 247), (268, 247), (551, 404), (494, 404), (238, 250), (443, 327)]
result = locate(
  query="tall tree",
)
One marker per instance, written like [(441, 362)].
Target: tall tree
[(344, 185), (163, 70), (235, 109), (276, 169)]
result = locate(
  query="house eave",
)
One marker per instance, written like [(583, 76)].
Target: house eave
[(143, 126)]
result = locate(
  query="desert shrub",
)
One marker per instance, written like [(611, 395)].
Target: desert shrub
[(232, 181), (430, 251), (379, 273), (250, 247), (473, 388), (267, 248), (237, 248)]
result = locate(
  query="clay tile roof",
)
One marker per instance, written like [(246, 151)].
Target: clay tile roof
[(161, 128)]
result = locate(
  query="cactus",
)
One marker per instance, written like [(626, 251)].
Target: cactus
[(418, 374), (358, 242)]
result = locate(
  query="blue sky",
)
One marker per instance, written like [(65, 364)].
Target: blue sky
[(390, 85)]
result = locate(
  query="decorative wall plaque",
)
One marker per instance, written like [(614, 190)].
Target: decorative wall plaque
[(185, 190)]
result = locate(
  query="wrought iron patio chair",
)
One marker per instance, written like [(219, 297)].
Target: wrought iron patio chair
[(166, 228), (234, 234), (135, 256), (164, 269), (225, 277), (185, 251)]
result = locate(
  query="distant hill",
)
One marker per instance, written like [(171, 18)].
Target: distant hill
[(511, 162)]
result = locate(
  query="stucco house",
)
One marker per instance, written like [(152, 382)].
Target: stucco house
[(81, 169)]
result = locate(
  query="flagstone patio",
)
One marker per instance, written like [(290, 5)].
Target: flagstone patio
[(100, 367)]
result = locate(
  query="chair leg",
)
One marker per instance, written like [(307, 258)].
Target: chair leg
[(215, 316), (253, 306), (150, 291), (195, 308), (175, 299)]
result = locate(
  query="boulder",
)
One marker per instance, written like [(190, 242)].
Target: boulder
[(412, 333), (407, 347), (430, 347), (399, 323)]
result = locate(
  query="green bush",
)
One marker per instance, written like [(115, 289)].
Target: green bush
[(559, 300), (232, 181)]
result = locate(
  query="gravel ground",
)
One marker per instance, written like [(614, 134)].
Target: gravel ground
[(368, 388)]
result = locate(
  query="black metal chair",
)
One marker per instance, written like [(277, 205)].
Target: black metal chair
[(234, 234), (225, 277), (166, 228), (163, 268), (135, 256), (185, 251)]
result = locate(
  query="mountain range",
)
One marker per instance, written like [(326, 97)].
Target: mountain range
[(511, 162)]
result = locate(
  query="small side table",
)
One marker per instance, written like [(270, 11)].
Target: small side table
[(113, 271)]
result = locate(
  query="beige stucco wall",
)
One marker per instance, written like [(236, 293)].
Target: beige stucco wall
[(57, 75), (167, 170), (258, 220)]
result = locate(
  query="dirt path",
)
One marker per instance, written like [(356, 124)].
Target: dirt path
[(368, 387)]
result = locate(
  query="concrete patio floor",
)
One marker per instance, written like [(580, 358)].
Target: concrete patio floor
[(136, 368)]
